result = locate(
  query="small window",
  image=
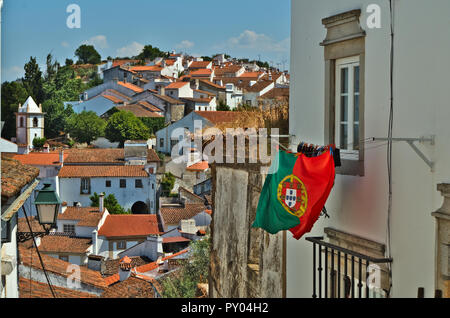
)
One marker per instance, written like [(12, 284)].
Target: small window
[(347, 107), (35, 122), (161, 142), (108, 183), (85, 186), (64, 258), (121, 245), (123, 183), (69, 228), (21, 122), (138, 184)]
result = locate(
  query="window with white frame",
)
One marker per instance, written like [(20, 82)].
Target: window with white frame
[(347, 107), (85, 186)]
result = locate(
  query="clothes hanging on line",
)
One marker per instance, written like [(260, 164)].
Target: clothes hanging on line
[(311, 150)]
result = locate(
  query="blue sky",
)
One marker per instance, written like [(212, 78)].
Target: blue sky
[(241, 28)]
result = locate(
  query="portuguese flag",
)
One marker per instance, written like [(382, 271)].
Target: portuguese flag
[(295, 192)]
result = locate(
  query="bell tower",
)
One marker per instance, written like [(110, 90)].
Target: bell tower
[(29, 125)]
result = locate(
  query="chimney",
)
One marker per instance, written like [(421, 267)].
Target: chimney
[(163, 91), (197, 83), (94, 242), (96, 263), (101, 202), (61, 157), (124, 268)]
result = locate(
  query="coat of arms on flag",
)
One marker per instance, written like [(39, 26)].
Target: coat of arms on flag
[(292, 195)]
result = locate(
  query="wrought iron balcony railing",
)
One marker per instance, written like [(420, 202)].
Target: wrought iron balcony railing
[(342, 273)]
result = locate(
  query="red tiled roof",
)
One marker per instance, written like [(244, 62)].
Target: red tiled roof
[(152, 68), (201, 72), (122, 62), (133, 87), (204, 92), (102, 171), (95, 156), (64, 244), (151, 266), (209, 83), (33, 289), (276, 93), (170, 62), (15, 176), (175, 239), (130, 226), (219, 117), (200, 166), (177, 85), (29, 257), (259, 86), (254, 75), (87, 216), (173, 215), (133, 287), (40, 159), (140, 111), (152, 156), (232, 69), (113, 99), (199, 64)]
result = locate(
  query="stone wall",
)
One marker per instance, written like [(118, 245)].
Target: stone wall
[(443, 242), (245, 262)]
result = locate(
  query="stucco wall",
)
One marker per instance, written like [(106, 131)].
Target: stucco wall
[(358, 205)]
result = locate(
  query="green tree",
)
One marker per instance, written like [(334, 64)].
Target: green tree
[(56, 117), (151, 53), (167, 183), (153, 124), (223, 106), (87, 54), (13, 94), (39, 142), (195, 271), (33, 81), (123, 126), (69, 62), (85, 127), (110, 203)]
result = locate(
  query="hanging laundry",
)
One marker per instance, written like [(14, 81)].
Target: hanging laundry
[(295, 193)]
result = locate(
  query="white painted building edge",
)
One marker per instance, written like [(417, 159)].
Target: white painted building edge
[(358, 205)]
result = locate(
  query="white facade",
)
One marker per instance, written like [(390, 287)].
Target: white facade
[(234, 96), (29, 123), (127, 197), (358, 205)]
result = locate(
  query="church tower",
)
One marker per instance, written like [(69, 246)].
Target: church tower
[(29, 125)]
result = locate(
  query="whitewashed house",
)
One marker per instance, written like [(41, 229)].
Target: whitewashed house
[(341, 93), (78, 183)]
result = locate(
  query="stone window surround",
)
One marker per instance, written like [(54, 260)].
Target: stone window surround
[(345, 38)]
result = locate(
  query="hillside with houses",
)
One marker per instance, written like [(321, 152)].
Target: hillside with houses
[(131, 220)]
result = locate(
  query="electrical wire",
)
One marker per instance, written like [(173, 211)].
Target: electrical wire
[(39, 254), (389, 149)]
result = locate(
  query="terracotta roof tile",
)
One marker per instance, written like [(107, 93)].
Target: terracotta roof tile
[(209, 83), (112, 266), (65, 244), (201, 72), (40, 159), (95, 156), (177, 85), (102, 171), (173, 215), (133, 287), (151, 68), (152, 156), (29, 257), (200, 64), (175, 239), (154, 265), (15, 176), (199, 166), (87, 216), (33, 289), (113, 99), (134, 88), (130, 226), (140, 111), (219, 117)]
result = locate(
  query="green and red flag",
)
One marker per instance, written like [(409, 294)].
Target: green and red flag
[(295, 192)]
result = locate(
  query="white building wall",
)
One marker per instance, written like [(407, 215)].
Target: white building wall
[(70, 191), (9, 250), (358, 205)]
